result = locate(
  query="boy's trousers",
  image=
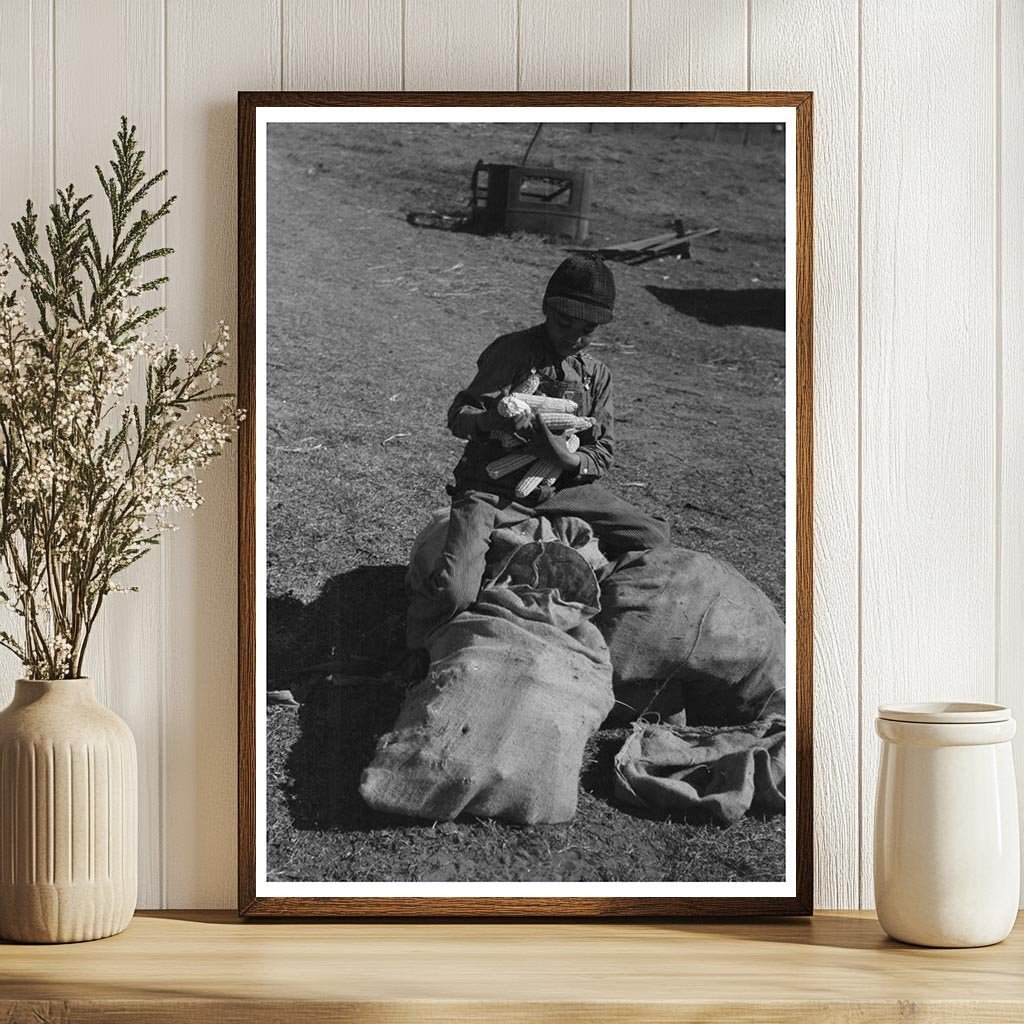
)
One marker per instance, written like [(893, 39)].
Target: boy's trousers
[(475, 515)]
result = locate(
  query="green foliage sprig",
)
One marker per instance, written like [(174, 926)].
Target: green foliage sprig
[(88, 476)]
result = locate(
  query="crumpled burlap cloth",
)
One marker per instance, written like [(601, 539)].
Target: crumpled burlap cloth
[(718, 775)]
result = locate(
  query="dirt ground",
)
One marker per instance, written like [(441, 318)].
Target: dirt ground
[(373, 325)]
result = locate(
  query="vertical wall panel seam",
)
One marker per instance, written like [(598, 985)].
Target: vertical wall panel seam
[(750, 22), (519, 44), (33, 169), (997, 42), (280, 42), (402, 42), (53, 98), (629, 43), (162, 695), (860, 457)]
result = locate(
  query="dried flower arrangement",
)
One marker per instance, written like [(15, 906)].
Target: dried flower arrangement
[(89, 477)]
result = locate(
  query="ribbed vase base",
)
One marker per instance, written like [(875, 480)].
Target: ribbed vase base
[(68, 815), (73, 913)]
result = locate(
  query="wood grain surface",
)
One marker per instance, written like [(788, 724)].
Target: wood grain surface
[(928, 395), (341, 44), (575, 44), (469, 44), (26, 130), (130, 82), (700, 44), (224, 46), (199, 967), (1010, 368), (830, 70)]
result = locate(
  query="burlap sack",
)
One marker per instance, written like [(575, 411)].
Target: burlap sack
[(514, 525), (690, 637), (516, 687)]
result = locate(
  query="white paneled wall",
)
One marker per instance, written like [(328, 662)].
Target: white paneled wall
[(919, 313), (1009, 427), (928, 411), (830, 68), (129, 674)]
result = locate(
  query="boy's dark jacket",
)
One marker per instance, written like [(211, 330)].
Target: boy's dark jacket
[(502, 366)]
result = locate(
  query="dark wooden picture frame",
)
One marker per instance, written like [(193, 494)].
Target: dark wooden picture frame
[(561, 906)]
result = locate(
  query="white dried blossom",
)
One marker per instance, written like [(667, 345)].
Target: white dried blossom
[(103, 429), (93, 463)]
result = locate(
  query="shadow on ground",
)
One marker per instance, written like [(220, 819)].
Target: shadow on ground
[(357, 622), (752, 307), (353, 632), (338, 732)]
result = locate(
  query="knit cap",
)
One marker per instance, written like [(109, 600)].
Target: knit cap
[(582, 287)]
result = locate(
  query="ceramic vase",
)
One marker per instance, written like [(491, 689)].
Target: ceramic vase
[(68, 815), (947, 846)]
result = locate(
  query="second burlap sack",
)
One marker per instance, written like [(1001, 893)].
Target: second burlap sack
[(691, 639)]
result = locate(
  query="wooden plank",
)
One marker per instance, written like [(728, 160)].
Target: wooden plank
[(826, 62), (199, 967), (342, 44), (681, 249), (574, 44), (26, 73), (1010, 264), (26, 129), (310, 1011), (213, 51), (693, 44), (660, 248), (646, 243), (928, 515), (459, 44), (126, 653), (443, 1012)]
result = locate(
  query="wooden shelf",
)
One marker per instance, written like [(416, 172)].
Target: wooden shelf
[(200, 967)]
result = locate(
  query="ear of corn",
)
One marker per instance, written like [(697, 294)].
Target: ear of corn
[(509, 463), (545, 403), (528, 386), (498, 468), (565, 421), (514, 405), (536, 475)]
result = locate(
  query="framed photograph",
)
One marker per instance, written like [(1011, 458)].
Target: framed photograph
[(525, 496)]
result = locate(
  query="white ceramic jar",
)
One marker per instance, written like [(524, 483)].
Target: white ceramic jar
[(947, 845)]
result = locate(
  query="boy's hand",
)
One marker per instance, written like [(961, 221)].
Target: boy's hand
[(498, 419), (554, 445)]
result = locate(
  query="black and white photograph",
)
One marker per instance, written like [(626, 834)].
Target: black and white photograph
[(525, 504)]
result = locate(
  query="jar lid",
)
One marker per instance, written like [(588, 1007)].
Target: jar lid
[(945, 713)]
